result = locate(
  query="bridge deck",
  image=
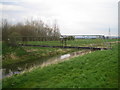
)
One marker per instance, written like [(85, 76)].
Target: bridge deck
[(93, 48)]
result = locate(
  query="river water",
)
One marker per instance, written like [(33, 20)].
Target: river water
[(19, 68)]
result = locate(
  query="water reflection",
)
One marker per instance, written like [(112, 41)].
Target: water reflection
[(64, 56)]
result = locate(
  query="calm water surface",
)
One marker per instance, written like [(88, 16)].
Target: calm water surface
[(18, 68)]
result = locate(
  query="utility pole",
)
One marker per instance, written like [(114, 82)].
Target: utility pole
[(109, 33), (109, 37), (118, 19)]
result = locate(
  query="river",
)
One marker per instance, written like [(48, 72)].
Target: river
[(17, 69)]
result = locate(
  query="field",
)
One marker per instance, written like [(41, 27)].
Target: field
[(36, 52), (22, 55), (76, 42), (98, 69)]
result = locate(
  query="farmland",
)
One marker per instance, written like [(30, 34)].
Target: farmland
[(16, 55), (95, 70), (76, 42), (59, 44)]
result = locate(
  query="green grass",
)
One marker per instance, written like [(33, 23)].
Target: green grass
[(15, 55), (95, 70), (6, 49), (76, 42), (0, 47)]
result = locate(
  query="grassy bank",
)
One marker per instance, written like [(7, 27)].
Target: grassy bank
[(96, 70), (22, 55), (16, 55), (76, 42)]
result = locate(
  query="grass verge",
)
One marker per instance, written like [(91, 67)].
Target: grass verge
[(95, 70), (22, 55)]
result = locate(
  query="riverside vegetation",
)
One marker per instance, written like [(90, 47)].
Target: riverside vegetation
[(22, 55), (15, 55), (98, 69), (95, 70)]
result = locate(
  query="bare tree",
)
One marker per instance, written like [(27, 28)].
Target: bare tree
[(33, 28)]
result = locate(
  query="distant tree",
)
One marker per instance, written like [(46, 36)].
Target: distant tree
[(13, 38), (71, 38), (56, 31), (103, 37), (33, 28), (5, 30), (107, 37)]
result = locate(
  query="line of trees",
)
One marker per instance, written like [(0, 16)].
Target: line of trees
[(33, 28)]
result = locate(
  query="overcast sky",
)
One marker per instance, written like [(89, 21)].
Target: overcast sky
[(73, 16)]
